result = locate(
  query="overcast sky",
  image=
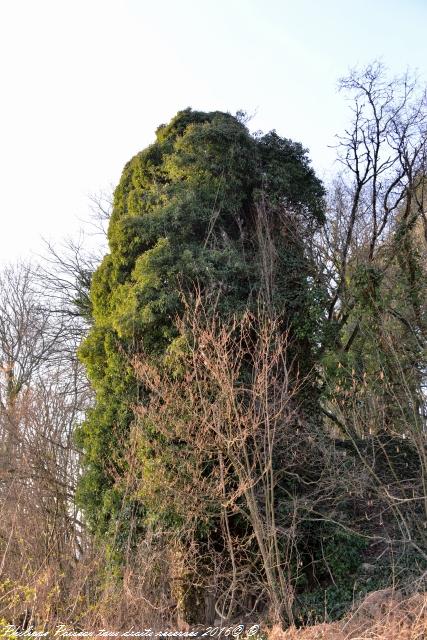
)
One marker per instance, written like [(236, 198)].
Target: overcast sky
[(85, 83)]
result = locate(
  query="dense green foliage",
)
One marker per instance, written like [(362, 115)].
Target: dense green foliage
[(185, 212)]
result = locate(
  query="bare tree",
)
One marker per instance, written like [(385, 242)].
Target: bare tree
[(230, 445), (43, 392), (383, 155)]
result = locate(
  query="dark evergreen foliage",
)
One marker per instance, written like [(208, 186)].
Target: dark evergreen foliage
[(185, 213)]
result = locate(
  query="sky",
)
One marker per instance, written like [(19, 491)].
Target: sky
[(85, 84)]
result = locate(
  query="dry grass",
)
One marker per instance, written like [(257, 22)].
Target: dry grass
[(383, 615)]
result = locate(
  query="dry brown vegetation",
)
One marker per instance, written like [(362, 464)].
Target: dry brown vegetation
[(383, 615)]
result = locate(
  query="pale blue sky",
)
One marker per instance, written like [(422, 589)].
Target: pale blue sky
[(85, 83)]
